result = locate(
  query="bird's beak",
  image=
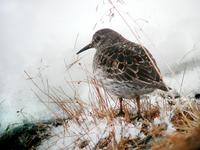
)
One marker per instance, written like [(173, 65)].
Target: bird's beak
[(85, 48)]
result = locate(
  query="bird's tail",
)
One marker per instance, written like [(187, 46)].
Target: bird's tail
[(163, 87)]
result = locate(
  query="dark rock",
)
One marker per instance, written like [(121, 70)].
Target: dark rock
[(197, 95), (23, 137)]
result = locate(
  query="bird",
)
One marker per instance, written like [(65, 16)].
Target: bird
[(124, 68)]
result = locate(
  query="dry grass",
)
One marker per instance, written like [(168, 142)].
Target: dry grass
[(187, 122), (187, 116), (183, 141)]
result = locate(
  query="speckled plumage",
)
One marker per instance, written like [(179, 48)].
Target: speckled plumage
[(124, 68)]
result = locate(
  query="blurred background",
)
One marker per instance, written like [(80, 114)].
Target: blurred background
[(44, 35)]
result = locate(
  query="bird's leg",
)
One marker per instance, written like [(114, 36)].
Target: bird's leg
[(138, 104), (121, 112), (138, 107)]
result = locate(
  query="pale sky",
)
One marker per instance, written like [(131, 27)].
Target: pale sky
[(35, 30)]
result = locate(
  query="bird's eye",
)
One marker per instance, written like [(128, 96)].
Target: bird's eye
[(97, 39)]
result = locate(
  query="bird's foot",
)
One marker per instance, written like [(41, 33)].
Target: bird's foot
[(139, 116), (121, 113)]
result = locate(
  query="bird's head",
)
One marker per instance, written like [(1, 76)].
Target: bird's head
[(102, 39)]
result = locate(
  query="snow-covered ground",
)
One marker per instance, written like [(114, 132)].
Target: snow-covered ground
[(99, 127)]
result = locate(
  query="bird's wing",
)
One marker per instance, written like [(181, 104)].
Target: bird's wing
[(130, 63)]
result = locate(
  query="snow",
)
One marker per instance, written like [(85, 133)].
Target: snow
[(88, 127)]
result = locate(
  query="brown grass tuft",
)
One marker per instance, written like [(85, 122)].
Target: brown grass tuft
[(180, 141), (187, 137)]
